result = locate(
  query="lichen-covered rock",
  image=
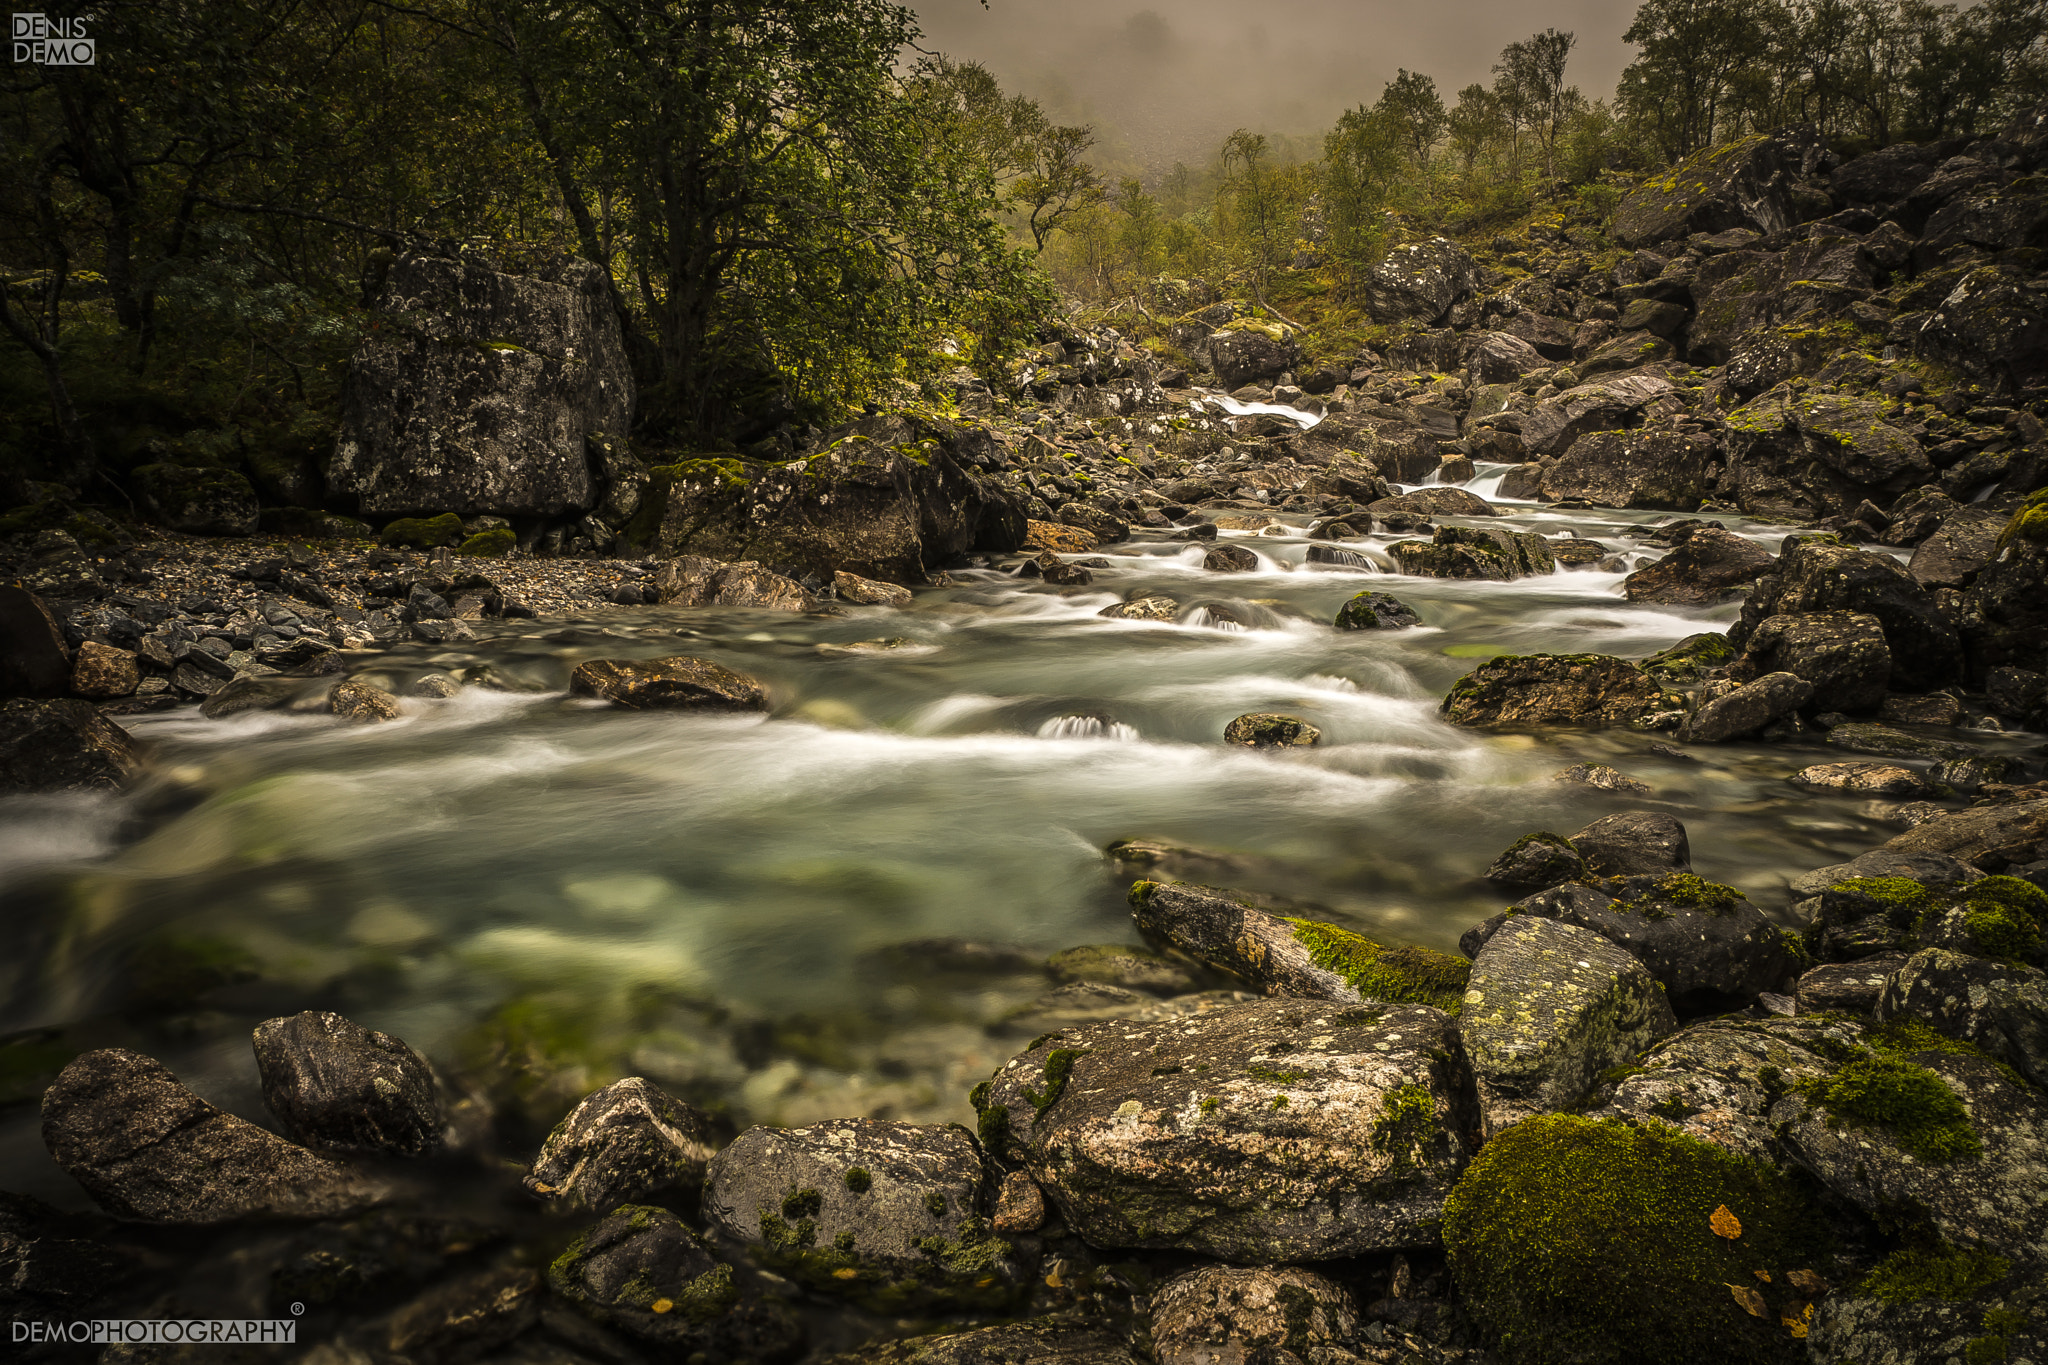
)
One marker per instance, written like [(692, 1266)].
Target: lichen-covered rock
[(1501, 357), (1741, 184), (1655, 469), (1549, 1007), (1990, 838), (1036, 1341), (1536, 862), (1717, 1079), (197, 502), (1376, 611), (1846, 987), (145, 1147), (1860, 779), (2001, 1007), (1143, 609), (693, 581), (1595, 1241), (1475, 552), (2008, 628), (1293, 957), (1991, 325), (1706, 565), (362, 703), (1944, 1323), (629, 1143), (482, 391), (867, 592), (1954, 555), (1871, 737), (1747, 710), (1264, 1133), (1606, 404), (1230, 559), (1518, 691), (1842, 653), (1706, 945), (1268, 730), (1815, 575), (333, 1083), (1249, 352), (900, 1206), (1218, 1313), (1436, 501), (891, 498), (1600, 777), (102, 671), (63, 746), (675, 683), (1420, 280), (641, 1271)]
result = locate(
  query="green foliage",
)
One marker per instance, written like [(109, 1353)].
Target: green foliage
[(1401, 976), (1935, 1271), (1576, 1239)]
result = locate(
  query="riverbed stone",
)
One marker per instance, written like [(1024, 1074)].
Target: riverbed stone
[(1842, 653), (1989, 838), (868, 592), (1817, 574), (1600, 777), (1230, 559), (1376, 611), (102, 672), (631, 1142), (1269, 730), (1747, 710), (333, 1083), (1634, 843), (674, 683), (1474, 552), (63, 745), (1226, 1313), (1706, 945), (1872, 737), (1143, 609), (1717, 1079), (2002, 1007), (1118, 964), (694, 581), (1860, 779), (1655, 469), (362, 703), (1846, 987), (1538, 690), (469, 1317), (147, 1148), (897, 1204), (1850, 1329), (1265, 1133), (1549, 1007), (1536, 862)]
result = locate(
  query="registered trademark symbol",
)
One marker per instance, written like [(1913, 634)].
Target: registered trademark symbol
[(297, 1309)]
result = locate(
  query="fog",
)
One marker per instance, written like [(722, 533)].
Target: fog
[(1166, 82)]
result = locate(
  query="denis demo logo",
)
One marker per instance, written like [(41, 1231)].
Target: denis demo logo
[(42, 41)]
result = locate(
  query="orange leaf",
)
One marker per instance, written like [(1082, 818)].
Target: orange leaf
[(1725, 1223), (1751, 1301), (1763, 1275), (1798, 1323), (1806, 1282)]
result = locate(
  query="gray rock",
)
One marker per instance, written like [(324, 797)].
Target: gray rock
[(1230, 559), (1600, 777), (1814, 575), (265, 693), (1501, 358), (1860, 779), (629, 1143), (467, 1318), (1243, 355), (1848, 1330), (1846, 987), (1376, 611), (1551, 1006), (673, 683), (1276, 1131), (1634, 843), (1842, 653), (1652, 469), (1115, 964), (63, 746), (897, 1204), (1935, 870), (1420, 280), (1747, 710), (1536, 862), (484, 397), (694, 581), (1218, 1313), (145, 1147), (102, 672), (333, 1083), (1717, 1080), (1999, 1006), (1954, 555), (1484, 552), (1989, 838), (1530, 691), (1143, 609), (1268, 730)]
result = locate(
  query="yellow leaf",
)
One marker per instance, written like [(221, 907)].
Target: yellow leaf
[(663, 1305), (1798, 1323), (1763, 1275), (1806, 1282), (1725, 1223), (1751, 1301), (846, 1273)]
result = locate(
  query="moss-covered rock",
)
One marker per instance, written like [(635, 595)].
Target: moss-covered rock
[(1268, 730), (1541, 690), (492, 544), (1536, 862), (423, 533), (1596, 1241)]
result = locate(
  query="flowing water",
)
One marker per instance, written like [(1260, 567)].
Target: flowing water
[(756, 911)]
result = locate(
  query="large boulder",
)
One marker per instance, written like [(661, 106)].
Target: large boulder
[(693, 581), (1741, 184), (1420, 281), (1654, 469), (63, 746), (889, 1213), (1717, 1079), (33, 659), (1516, 691), (1992, 838), (1815, 574), (1992, 326), (1249, 352), (2002, 1007), (1608, 404), (1794, 453), (890, 498), (1706, 565), (145, 1147), (333, 1083), (1265, 1133), (1842, 653), (1551, 1006), (1475, 552), (479, 390), (2007, 627), (1501, 358), (1634, 844), (1748, 710), (1965, 542), (631, 1142)]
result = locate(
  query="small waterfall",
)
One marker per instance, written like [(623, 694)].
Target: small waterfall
[(1086, 727)]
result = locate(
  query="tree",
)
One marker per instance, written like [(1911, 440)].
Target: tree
[(1531, 87), (1690, 56), (1362, 160), (1057, 183), (1410, 101)]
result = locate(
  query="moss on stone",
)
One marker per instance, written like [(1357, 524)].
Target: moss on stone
[(2002, 931), (1688, 892), (1406, 1115), (1589, 1240), (423, 533), (492, 544), (858, 1179), (1913, 1105), (1059, 1064), (1934, 1271), (1402, 976)]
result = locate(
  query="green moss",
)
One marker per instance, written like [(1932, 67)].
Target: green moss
[(993, 1126), (858, 1180), (1059, 1064), (844, 1241), (1402, 976), (423, 533), (493, 544), (1904, 901), (1211, 1104), (1938, 1271), (1914, 1105), (2012, 893), (1272, 1074), (1688, 892), (935, 1204), (1403, 1124), (2002, 931), (1590, 1241)]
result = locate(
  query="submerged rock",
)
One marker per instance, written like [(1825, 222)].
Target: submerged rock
[(1118, 965), (675, 683), (333, 1083), (1230, 559), (1277, 1131), (1219, 1313), (145, 1147), (361, 703), (630, 1142), (888, 1213), (1549, 1007)]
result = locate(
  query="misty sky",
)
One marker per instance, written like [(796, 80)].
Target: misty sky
[(1168, 81)]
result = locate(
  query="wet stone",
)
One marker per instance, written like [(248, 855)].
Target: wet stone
[(1860, 779), (333, 1083), (676, 683), (1267, 730), (630, 1142), (361, 703), (1220, 1313)]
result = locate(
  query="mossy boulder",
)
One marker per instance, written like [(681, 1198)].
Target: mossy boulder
[(495, 543), (1474, 552), (1739, 184), (1536, 862), (1595, 1241), (1531, 691), (1265, 1133), (2001, 1007), (423, 533), (1267, 730), (892, 1215), (1817, 575)]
